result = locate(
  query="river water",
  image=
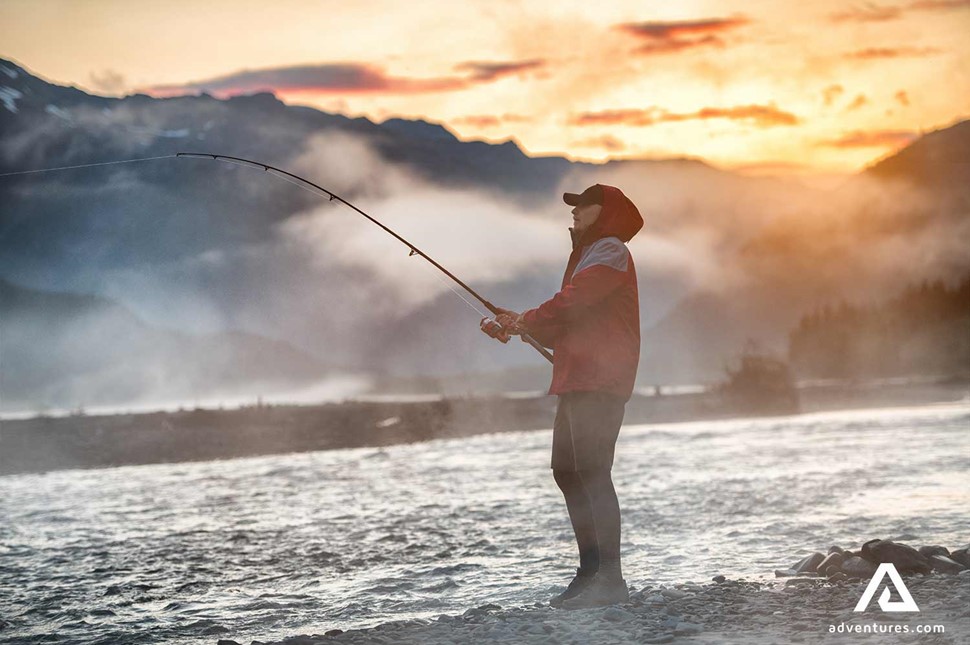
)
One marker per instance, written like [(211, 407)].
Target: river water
[(262, 548)]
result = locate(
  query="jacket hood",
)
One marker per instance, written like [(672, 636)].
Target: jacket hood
[(619, 218)]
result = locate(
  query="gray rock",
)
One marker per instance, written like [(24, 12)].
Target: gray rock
[(962, 556), (616, 615), (944, 564), (684, 628), (718, 578), (793, 582), (837, 576), (809, 564), (857, 567), (785, 573), (665, 638), (831, 560), (225, 641), (673, 594), (933, 550), (836, 549), (905, 558), (333, 632)]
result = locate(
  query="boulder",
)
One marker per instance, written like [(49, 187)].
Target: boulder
[(962, 556), (866, 550), (857, 567), (809, 564), (836, 549), (933, 550), (905, 558), (944, 564), (832, 559)]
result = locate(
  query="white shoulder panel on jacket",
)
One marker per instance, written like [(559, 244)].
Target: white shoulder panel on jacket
[(608, 251)]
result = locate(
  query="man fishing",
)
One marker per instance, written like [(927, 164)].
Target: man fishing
[(593, 326)]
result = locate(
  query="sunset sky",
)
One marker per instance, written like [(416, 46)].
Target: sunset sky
[(763, 86)]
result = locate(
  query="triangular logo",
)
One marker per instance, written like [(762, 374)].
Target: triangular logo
[(906, 604)]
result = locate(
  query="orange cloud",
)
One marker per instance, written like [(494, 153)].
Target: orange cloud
[(831, 93), (902, 97), (892, 52), (869, 12), (668, 37), (939, 5), (489, 120), (761, 115), (343, 78), (606, 142), (872, 139), (857, 102)]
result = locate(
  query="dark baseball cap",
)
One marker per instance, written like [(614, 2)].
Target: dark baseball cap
[(592, 195)]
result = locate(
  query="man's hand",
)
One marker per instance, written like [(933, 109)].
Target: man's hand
[(511, 321), (494, 329)]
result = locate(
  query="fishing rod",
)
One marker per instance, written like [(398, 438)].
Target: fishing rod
[(305, 183), (491, 327)]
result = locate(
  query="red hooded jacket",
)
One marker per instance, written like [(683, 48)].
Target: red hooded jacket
[(593, 323)]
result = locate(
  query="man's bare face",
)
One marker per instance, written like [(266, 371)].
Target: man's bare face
[(584, 215)]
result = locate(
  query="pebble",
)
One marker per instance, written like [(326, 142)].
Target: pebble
[(674, 594), (685, 628), (617, 615)]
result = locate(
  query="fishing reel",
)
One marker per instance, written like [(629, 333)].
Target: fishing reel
[(494, 329)]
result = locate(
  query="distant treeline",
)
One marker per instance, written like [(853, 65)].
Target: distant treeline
[(923, 331)]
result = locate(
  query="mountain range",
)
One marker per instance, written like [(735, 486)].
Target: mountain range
[(239, 282)]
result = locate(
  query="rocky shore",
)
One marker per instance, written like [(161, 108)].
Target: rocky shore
[(42, 443), (801, 606)]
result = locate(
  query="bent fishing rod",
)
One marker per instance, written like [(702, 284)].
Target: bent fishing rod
[(308, 185), (305, 183)]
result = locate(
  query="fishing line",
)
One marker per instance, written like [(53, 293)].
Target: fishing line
[(84, 165), (320, 191)]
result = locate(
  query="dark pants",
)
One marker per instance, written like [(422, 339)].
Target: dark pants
[(584, 439)]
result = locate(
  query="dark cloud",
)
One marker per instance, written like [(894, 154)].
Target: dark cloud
[(892, 52), (872, 139), (344, 78), (761, 115), (337, 77), (484, 72), (869, 12), (674, 36)]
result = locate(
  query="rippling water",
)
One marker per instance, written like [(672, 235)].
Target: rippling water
[(272, 546)]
